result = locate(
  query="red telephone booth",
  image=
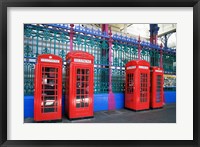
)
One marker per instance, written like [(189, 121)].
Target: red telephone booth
[(157, 82), (48, 88), (79, 84), (137, 85)]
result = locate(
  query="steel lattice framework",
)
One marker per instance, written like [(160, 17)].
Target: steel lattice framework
[(55, 39)]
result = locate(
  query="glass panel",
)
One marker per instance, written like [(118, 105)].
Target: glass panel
[(78, 71), (83, 78), (83, 71), (87, 71), (143, 87), (78, 77), (78, 104), (82, 104), (87, 78), (46, 110), (82, 91), (82, 88), (78, 91), (158, 89), (78, 85), (49, 89)]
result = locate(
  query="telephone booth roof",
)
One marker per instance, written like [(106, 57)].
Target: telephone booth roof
[(49, 58), (137, 62), (79, 54)]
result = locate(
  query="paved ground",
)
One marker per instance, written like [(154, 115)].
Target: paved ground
[(167, 114)]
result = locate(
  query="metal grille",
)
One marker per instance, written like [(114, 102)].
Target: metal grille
[(118, 79), (99, 48), (95, 46), (168, 61), (122, 53), (101, 79), (158, 88), (143, 87), (82, 87), (42, 39), (29, 78), (49, 89), (130, 83)]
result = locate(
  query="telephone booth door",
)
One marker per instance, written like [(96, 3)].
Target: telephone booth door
[(144, 90), (157, 92), (130, 87), (79, 98), (137, 85), (48, 88)]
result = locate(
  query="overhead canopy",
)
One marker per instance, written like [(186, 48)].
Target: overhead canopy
[(134, 30)]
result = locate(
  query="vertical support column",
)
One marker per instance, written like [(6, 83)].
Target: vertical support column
[(166, 40), (110, 61), (71, 35), (111, 96), (153, 39), (154, 33), (105, 28), (139, 47), (161, 53)]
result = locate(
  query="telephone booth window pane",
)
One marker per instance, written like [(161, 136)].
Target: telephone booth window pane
[(158, 88), (78, 71), (83, 77), (78, 105), (82, 84), (83, 71), (130, 83), (143, 87), (87, 78), (78, 91), (87, 71), (82, 88), (49, 89), (82, 104), (78, 85), (78, 77)]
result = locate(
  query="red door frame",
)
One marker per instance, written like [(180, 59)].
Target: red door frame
[(81, 60), (157, 71), (132, 101), (48, 62)]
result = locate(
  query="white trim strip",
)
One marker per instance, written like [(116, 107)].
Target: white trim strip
[(131, 67), (50, 60), (143, 67), (158, 70), (82, 60)]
